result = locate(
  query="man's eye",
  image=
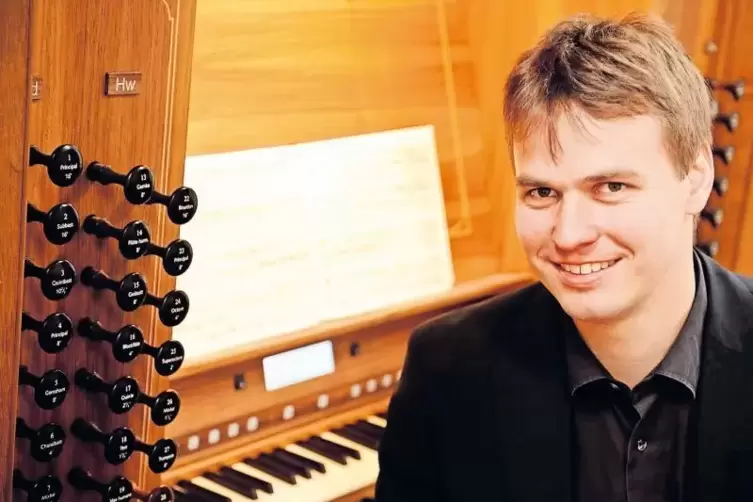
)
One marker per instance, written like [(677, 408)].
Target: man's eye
[(614, 186), (541, 192)]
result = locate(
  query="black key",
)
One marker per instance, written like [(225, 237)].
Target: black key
[(372, 426), (300, 460), (180, 496), (294, 468), (231, 484), (382, 415), (201, 492), (363, 428), (356, 437), (271, 469), (263, 485), (323, 450), (348, 452)]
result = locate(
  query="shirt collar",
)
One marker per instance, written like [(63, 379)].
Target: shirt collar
[(681, 364)]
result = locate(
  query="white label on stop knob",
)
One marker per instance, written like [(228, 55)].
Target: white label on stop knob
[(252, 424), (288, 412), (322, 401), (355, 390), (371, 385)]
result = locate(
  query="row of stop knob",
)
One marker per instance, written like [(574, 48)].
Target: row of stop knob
[(49, 488), (65, 165), (59, 278), (61, 223)]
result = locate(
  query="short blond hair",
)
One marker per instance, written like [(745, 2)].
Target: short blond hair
[(610, 69)]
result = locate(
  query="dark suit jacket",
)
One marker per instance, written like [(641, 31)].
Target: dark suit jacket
[(482, 411)]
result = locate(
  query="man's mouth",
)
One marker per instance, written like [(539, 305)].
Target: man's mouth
[(587, 268)]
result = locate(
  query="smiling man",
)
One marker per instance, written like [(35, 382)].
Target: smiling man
[(626, 372)]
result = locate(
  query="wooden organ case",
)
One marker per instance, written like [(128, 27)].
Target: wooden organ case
[(94, 91), (138, 90)]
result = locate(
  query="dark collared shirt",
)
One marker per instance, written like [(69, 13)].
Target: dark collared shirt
[(631, 445)]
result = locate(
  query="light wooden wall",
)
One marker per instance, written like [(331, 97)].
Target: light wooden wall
[(269, 73)]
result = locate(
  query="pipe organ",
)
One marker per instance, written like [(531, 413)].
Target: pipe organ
[(160, 340)]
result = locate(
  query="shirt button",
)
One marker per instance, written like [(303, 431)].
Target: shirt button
[(641, 445)]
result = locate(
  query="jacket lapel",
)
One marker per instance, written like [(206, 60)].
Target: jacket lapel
[(531, 406), (724, 449)]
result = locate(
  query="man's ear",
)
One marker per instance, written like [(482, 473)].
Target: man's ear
[(701, 181)]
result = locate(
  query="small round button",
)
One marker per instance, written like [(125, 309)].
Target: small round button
[(61, 224), (178, 257), (166, 407), (182, 206), (120, 489), (58, 280)]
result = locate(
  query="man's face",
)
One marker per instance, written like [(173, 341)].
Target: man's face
[(604, 225)]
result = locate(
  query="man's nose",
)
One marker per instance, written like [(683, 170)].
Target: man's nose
[(574, 225)]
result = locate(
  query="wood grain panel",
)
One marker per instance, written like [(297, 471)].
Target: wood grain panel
[(15, 36), (76, 44)]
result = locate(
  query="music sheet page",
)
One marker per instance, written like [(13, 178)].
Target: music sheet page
[(290, 236)]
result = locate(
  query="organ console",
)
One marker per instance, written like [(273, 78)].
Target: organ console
[(132, 369)]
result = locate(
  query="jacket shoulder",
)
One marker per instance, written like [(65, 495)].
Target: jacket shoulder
[(469, 334)]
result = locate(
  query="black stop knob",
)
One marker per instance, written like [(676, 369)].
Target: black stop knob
[(122, 394), (173, 307), (138, 183), (713, 216), (53, 334), (59, 223), (710, 248), (44, 489), (133, 239), (721, 185), (736, 88), (176, 256), (165, 406), (118, 444), (730, 120), (130, 291), (119, 489), (725, 153), (126, 342), (57, 279), (64, 164), (46, 442), (161, 455), (159, 494), (168, 357), (181, 205), (50, 389)]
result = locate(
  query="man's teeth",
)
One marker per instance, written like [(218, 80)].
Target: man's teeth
[(587, 268)]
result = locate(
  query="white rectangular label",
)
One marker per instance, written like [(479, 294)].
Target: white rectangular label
[(298, 365)]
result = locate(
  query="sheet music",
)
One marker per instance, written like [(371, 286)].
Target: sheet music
[(290, 236)]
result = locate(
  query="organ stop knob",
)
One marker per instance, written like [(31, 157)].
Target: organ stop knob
[(730, 120), (64, 164), (59, 223), (173, 307), (168, 357), (725, 153), (130, 292), (736, 88), (133, 239), (709, 248), (57, 279), (53, 334), (181, 205), (176, 256), (46, 442), (721, 185), (138, 184), (165, 406), (122, 394), (126, 343), (713, 216), (50, 389), (117, 490), (160, 494), (118, 445), (44, 489)]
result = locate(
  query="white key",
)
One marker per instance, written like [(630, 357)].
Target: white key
[(377, 421)]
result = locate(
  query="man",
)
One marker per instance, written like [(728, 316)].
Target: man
[(626, 373)]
